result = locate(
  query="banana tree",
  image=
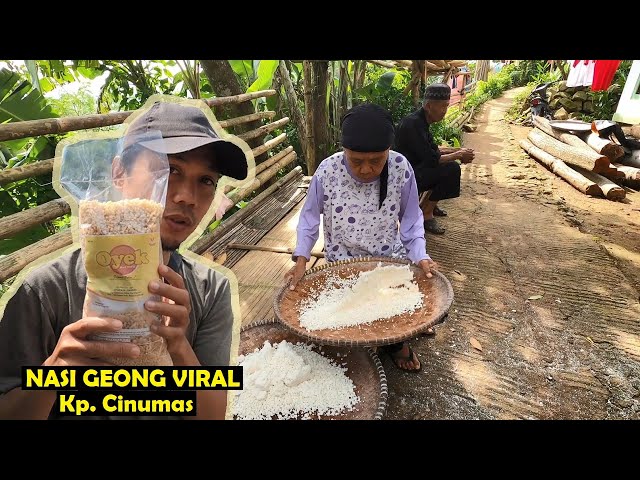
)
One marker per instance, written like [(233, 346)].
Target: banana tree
[(19, 101)]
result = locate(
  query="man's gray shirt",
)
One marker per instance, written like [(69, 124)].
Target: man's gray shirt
[(51, 297)]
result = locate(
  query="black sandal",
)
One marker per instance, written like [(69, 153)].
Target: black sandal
[(438, 212), (432, 226)]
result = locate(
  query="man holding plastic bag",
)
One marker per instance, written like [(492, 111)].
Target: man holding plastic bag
[(134, 209)]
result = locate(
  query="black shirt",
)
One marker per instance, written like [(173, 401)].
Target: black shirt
[(414, 140)]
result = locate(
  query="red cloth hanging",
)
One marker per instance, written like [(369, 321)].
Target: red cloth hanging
[(603, 74)]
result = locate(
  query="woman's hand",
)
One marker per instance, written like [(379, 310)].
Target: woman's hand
[(429, 266), (296, 272)]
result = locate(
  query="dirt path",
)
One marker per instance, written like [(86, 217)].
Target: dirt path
[(517, 232)]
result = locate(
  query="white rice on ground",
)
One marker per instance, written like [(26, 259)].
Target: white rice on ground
[(288, 380)]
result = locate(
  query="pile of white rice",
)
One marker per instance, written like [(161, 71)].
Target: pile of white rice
[(288, 380), (374, 295)]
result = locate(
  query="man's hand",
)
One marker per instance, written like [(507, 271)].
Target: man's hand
[(296, 272), (175, 308), (75, 350), (429, 266), (466, 155)]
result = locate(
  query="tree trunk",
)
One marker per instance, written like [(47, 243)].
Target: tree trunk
[(322, 141), (18, 222), (277, 86), (343, 93), (611, 190), (630, 173), (568, 138), (359, 71), (561, 169), (308, 116), (224, 83), (604, 146), (316, 78), (482, 70), (568, 153), (294, 108)]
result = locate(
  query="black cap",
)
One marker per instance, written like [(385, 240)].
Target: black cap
[(184, 128), (437, 91), (367, 128)]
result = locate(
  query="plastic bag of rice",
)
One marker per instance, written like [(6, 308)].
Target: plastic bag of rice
[(120, 188)]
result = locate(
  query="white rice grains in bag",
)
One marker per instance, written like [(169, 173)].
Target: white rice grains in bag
[(120, 207)]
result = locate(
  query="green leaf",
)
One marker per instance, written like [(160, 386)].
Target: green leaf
[(243, 68), (28, 237), (266, 69), (19, 101), (32, 67), (46, 85), (272, 102), (386, 80), (367, 91), (89, 73), (456, 143)]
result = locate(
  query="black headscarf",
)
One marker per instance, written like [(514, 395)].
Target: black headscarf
[(369, 128)]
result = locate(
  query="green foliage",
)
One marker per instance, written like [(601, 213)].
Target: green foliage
[(266, 70), (444, 133), (519, 102), (528, 70), (605, 102), (20, 101), (73, 104), (385, 88)]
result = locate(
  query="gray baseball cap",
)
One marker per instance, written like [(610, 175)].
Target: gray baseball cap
[(184, 128)]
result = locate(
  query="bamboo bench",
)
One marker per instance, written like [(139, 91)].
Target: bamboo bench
[(12, 264)]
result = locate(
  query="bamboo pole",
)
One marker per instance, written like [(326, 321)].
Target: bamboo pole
[(568, 153), (35, 169), (232, 122), (11, 264), (404, 63), (20, 221), (269, 144), (204, 242), (557, 166), (243, 97), (258, 132), (272, 160), (438, 64), (383, 63), (294, 107), (47, 126), (239, 193), (261, 248), (46, 166)]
